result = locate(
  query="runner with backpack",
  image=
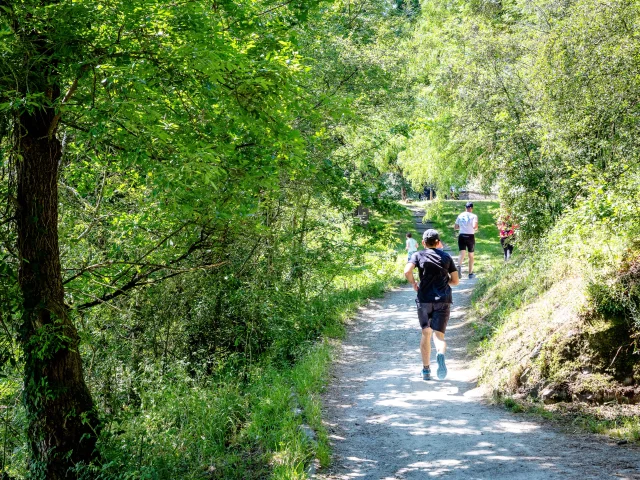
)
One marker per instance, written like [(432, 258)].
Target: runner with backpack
[(437, 273)]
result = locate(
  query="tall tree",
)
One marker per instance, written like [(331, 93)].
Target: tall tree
[(62, 422), (149, 139), (179, 92)]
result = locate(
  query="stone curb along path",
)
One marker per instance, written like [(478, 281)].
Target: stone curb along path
[(385, 422)]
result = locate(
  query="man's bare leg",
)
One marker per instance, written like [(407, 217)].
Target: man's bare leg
[(438, 339), (461, 259), (425, 346), (441, 347), (470, 263)]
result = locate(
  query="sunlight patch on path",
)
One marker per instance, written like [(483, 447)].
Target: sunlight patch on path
[(387, 423)]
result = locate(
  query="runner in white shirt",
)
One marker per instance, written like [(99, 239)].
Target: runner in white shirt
[(467, 223), (411, 246)]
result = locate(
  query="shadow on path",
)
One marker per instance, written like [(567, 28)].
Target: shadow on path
[(385, 422)]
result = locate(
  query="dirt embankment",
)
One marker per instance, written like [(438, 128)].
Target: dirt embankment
[(555, 350)]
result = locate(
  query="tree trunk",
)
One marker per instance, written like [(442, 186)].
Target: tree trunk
[(62, 421), (403, 192)]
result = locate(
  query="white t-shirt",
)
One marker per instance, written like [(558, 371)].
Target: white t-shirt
[(412, 245), (466, 221)]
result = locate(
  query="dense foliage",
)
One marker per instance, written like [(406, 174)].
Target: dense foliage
[(178, 182), (201, 163), (538, 99)]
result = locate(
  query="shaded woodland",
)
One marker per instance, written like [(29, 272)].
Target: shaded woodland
[(179, 189)]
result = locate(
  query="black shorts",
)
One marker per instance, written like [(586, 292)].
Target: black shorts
[(434, 315), (506, 243), (466, 241)]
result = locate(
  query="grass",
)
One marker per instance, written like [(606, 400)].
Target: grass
[(540, 302), (443, 214), (234, 429), (512, 405), (624, 427), (265, 425)]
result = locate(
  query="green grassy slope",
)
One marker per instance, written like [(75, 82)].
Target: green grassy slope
[(488, 252), (555, 333)]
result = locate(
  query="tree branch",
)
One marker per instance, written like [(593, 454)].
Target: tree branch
[(96, 210), (65, 99), (338, 87), (143, 280)]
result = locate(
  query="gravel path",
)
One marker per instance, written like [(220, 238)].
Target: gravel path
[(386, 423)]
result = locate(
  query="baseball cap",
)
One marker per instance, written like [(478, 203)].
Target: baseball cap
[(469, 205), (431, 234)]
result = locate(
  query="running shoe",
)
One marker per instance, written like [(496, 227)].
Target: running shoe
[(426, 374), (442, 368), (472, 275)]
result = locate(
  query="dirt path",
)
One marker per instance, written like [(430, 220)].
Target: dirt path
[(387, 423)]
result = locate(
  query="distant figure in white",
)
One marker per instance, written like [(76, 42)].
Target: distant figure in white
[(437, 272), (411, 246), (467, 224)]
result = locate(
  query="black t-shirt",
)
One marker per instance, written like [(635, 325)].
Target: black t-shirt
[(434, 267)]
